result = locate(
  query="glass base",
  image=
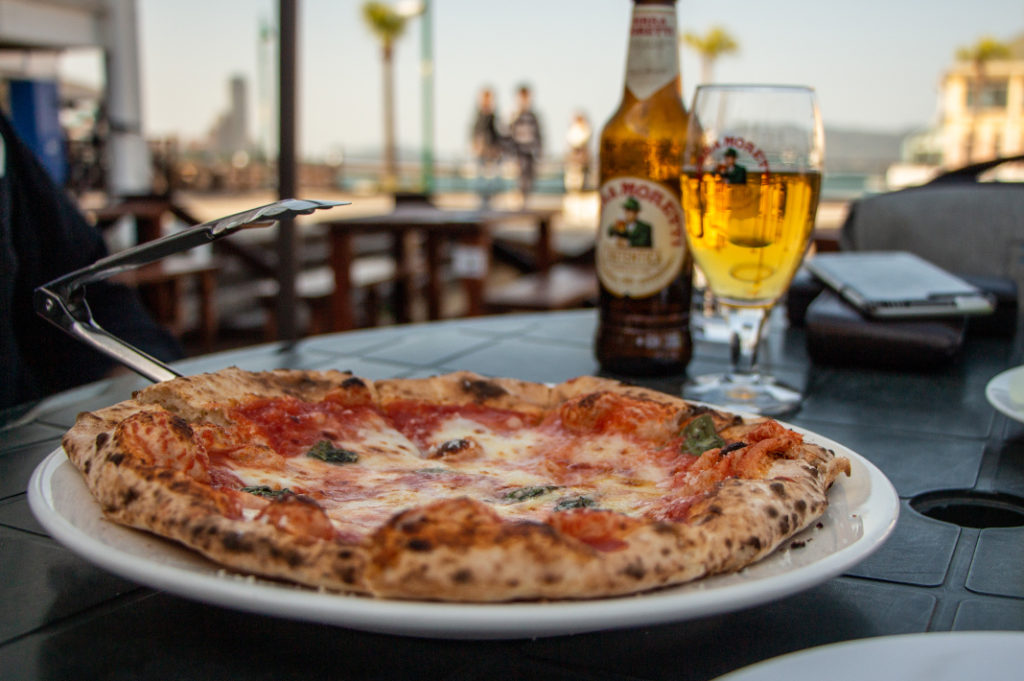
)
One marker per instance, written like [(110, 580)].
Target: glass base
[(753, 393)]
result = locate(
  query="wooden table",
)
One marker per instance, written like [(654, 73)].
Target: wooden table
[(148, 212), (161, 286), (471, 230)]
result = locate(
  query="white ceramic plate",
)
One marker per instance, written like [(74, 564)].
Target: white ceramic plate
[(998, 394), (862, 513), (992, 656)]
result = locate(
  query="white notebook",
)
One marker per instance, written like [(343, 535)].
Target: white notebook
[(895, 284)]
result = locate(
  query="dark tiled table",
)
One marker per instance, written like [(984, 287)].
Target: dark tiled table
[(64, 618)]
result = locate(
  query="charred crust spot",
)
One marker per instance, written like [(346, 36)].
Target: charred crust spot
[(412, 524), (451, 447), (292, 558), (421, 545), (778, 488), (180, 426), (635, 570), (116, 458), (664, 528), (728, 542), (784, 525), (731, 447), (800, 505), (235, 541), (714, 509), (347, 575), (129, 495), (588, 401), (353, 382), (483, 390), (550, 578), (344, 554), (102, 439), (198, 530), (772, 512), (463, 576), (754, 542), (87, 466)]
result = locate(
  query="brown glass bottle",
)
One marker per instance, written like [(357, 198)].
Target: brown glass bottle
[(644, 266)]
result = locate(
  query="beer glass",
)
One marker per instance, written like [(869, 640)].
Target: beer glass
[(750, 184)]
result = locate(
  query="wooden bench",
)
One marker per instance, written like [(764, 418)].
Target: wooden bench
[(315, 288), (560, 287), (163, 285)]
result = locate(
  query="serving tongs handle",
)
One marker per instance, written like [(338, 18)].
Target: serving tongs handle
[(62, 301)]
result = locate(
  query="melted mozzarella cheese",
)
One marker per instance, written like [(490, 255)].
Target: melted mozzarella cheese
[(543, 466)]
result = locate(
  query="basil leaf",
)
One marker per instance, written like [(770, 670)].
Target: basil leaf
[(264, 491), (325, 451), (524, 493), (574, 502), (699, 436)]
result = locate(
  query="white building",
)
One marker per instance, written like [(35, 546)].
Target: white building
[(982, 109)]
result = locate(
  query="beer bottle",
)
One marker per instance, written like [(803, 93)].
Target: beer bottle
[(644, 266)]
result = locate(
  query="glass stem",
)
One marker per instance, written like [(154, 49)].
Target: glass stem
[(745, 325)]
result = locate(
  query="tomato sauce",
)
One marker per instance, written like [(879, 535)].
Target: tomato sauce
[(418, 421), (291, 426)]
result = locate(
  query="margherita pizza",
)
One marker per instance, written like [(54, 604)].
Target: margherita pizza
[(456, 487)]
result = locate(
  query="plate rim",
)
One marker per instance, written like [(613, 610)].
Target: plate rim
[(432, 619), (996, 383), (813, 657)]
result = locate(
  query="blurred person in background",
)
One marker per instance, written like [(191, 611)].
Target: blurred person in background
[(526, 140), (487, 146), (577, 159)]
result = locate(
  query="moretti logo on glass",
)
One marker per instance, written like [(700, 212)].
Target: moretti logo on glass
[(641, 244), (730, 157)]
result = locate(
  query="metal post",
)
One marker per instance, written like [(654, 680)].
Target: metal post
[(287, 244), (427, 75), (128, 155)]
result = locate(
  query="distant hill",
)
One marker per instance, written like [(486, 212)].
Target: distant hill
[(861, 151), (846, 151)]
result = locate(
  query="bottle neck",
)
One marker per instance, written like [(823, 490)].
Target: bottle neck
[(652, 61)]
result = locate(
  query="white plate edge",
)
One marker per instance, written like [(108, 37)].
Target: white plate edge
[(470, 620)]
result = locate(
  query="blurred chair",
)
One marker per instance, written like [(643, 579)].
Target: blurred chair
[(971, 228), (955, 221)]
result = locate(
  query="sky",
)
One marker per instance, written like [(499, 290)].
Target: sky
[(876, 64)]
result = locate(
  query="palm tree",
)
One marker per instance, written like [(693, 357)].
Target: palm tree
[(387, 25), (979, 54), (710, 47)]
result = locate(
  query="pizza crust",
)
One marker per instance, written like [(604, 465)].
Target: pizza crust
[(172, 504), (455, 548)]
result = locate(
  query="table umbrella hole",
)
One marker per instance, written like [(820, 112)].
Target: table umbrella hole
[(970, 508)]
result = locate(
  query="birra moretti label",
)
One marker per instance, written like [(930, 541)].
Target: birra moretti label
[(641, 244), (653, 58)]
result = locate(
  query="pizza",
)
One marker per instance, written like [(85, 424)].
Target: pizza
[(456, 487)]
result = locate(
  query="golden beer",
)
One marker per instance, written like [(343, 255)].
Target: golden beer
[(749, 238)]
